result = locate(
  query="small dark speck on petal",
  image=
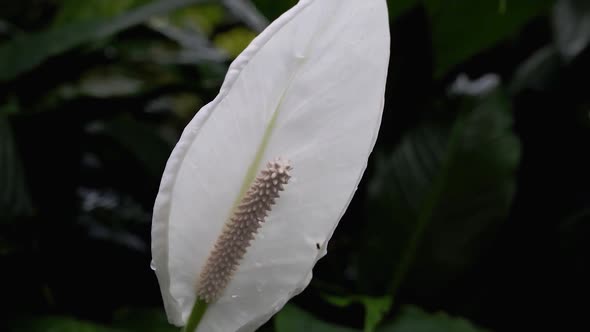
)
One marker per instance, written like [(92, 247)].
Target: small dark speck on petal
[(317, 245)]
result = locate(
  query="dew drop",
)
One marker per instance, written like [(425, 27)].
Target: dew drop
[(153, 265), (234, 296)]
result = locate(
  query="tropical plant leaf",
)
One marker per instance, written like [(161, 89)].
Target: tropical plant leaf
[(142, 320), (375, 307), (414, 319), (141, 141), (27, 51), (76, 11), (458, 36), (57, 324), (437, 199), (293, 319), (14, 196)]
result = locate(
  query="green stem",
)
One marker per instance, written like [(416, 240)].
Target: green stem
[(196, 314)]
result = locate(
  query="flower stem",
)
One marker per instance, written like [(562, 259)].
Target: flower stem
[(197, 313)]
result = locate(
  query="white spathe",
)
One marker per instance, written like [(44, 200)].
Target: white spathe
[(320, 71)]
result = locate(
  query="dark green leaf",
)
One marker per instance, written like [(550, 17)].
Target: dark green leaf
[(375, 307), (375, 311), (141, 141), (77, 11), (463, 28), (293, 319), (143, 320), (436, 201), (273, 8), (14, 196), (57, 324), (28, 51), (413, 319)]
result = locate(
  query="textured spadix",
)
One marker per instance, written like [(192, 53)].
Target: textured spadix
[(309, 89), (239, 232)]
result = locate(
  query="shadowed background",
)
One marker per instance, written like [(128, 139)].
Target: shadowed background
[(473, 214)]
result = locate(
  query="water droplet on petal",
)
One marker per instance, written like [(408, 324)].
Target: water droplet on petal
[(234, 296), (153, 265)]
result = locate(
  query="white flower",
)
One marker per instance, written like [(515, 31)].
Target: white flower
[(309, 89)]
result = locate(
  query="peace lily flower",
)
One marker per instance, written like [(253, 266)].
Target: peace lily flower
[(261, 176)]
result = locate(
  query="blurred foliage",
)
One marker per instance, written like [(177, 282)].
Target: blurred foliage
[(14, 197), (234, 41), (475, 202), (410, 319), (375, 307), (444, 188), (572, 27), (73, 11), (457, 36), (55, 324)]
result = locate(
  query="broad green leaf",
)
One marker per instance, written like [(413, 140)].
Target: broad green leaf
[(25, 52), (142, 320), (14, 195), (57, 324), (413, 319), (293, 319), (375, 307), (375, 311), (436, 201), (76, 11), (571, 23), (463, 28)]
